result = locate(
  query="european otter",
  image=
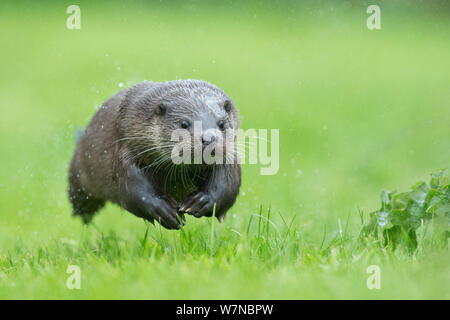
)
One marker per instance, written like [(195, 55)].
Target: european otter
[(124, 155)]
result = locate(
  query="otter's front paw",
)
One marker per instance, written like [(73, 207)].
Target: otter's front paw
[(164, 210), (197, 204)]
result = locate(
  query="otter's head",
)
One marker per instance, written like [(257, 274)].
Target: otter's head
[(185, 122)]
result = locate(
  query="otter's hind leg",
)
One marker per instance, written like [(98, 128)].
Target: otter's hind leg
[(83, 204)]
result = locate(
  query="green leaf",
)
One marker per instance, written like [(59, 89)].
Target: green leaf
[(401, 214)]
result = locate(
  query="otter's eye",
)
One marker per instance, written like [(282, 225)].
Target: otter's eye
[(221, 124), (185, 124)]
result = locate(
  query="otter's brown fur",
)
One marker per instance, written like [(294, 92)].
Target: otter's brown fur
[(123, 156)]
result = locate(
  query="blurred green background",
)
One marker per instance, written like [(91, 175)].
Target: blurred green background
[(358, 110)]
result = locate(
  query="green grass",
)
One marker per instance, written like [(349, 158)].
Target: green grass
[(358, 111)]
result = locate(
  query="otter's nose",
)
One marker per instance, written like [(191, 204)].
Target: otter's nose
[(207, 139)]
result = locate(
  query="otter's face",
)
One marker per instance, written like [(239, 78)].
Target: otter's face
[(200, 131)]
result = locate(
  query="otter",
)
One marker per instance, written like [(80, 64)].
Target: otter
[(124, 154)]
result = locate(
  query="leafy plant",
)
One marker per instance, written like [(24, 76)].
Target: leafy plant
[(401, 214)]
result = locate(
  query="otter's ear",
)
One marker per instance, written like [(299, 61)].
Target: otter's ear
[(227, 106), (161, 109)]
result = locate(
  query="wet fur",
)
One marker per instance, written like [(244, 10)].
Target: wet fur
[(122, 156)]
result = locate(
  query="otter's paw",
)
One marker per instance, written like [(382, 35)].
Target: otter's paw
[(164, 210), (198, 204)]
